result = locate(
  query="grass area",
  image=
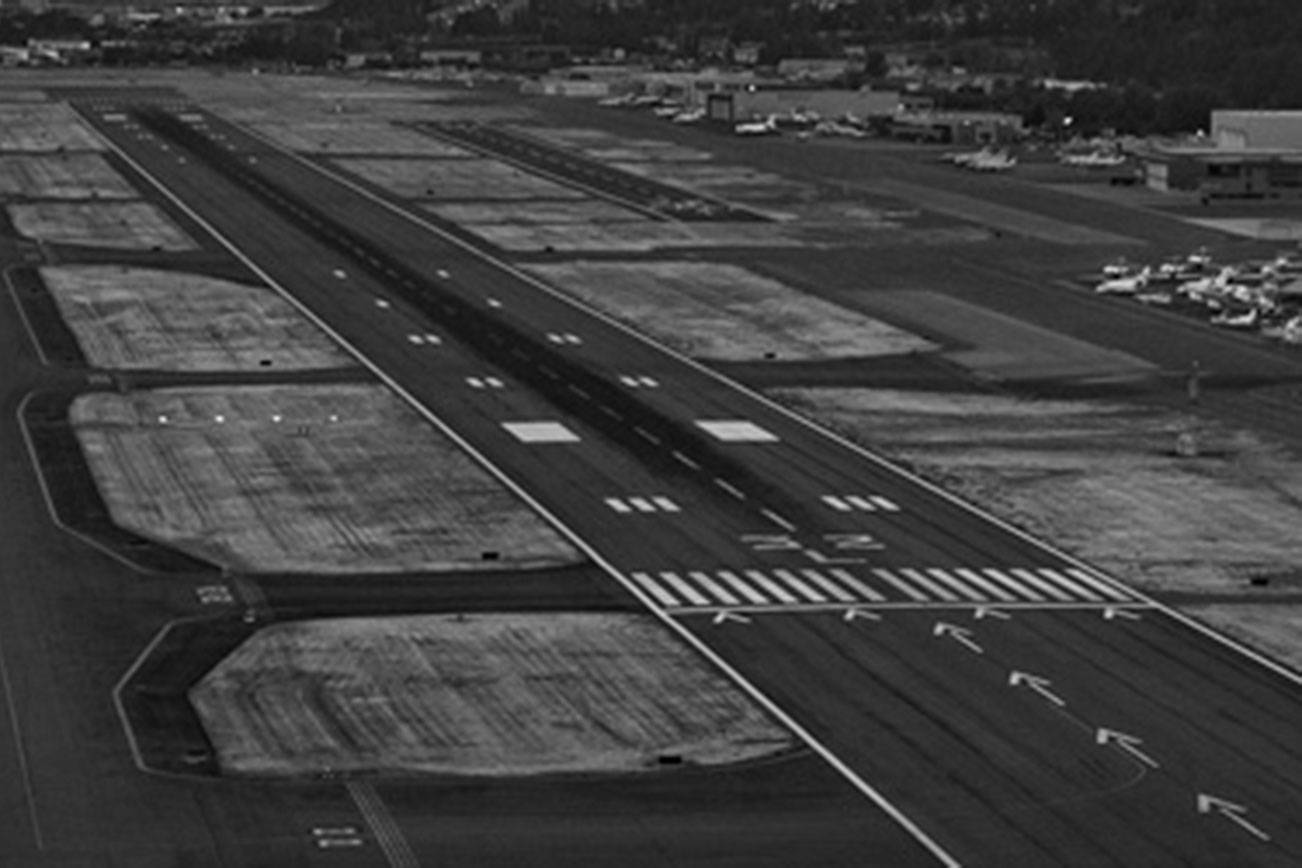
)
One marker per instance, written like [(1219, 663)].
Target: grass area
[(537, 213), (354, 137), (730, 182), (134, 318), (1275, 629), (44, 127), (1098, 479), (1001, 217), (500, 694), (473, 180), (725, 312), (65, 176), (1007, 349), (325, 479), (118, 225)]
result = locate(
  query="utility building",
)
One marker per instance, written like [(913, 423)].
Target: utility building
[(1249, 155)]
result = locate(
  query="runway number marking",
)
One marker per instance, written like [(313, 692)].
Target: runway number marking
[(564, 338), (427, 338), (639, 382), (485, 383), (330, 837), (214, 595)]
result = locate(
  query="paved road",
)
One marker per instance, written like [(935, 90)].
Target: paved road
[(885, 620)]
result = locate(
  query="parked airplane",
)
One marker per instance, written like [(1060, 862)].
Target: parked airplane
[(1238, 319), (690, 116), (963, 158), (999, 161), (1093, 160), (616, 101), (1127, 285), (766, 127), (832, 128)]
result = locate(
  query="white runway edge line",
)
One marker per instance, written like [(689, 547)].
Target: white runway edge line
[(943, 856), (881, 461), (923, 839)]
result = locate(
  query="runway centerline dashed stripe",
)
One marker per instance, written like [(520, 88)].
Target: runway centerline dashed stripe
[(804, 587)]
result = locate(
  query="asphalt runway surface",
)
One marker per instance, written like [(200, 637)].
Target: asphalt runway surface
[(965, 695)]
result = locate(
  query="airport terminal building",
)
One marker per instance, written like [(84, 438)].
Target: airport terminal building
[(1249, 155)]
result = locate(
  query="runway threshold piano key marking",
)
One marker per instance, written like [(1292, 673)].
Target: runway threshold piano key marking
[(860, 503), (806, 588), (630, 505)]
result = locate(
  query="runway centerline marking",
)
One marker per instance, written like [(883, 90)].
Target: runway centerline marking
[(736, 431), (540, 432)]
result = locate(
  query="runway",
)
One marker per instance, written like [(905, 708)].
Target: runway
[(983, 700)]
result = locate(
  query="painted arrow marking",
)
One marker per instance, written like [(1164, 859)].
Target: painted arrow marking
[(1111, 613), (1036, 683), (1230, 811), (986, 612), (726, 616), (958, 634), (1128, 743), (853, 614)]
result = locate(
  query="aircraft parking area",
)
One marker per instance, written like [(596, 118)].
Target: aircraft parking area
[(957, 692)]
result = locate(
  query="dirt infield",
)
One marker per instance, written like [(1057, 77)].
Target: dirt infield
[(293, 479), (65, 176), (118, 225), (1099, 479), (1003, 348), (472, 180), (136, 318), (497, 694), (727, 313), (355, 137), (44, 127)]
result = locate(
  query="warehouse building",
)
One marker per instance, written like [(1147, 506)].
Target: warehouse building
[(1248, 155)]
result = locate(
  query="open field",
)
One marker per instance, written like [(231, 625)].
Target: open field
[(601, 145), (322, 479), (354, 137), (474, 179), (137, 318), (730, 182), (44, 127), (501, 694), (536, 213), (1099, 479), (65, 176), (1007, 349), (1276, 629), (726, 312), (118, 225)]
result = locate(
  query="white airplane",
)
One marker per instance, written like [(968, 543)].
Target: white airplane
[(766, 127), (1128, 285), (1243, 320), (1093, 160), (1119, 267), (690, 116), (832, 128), (668, 110), (1000, 161), (616, 101), (964, 158)]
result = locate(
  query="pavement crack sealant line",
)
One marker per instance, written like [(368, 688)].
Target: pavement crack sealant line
[(574, 388)]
